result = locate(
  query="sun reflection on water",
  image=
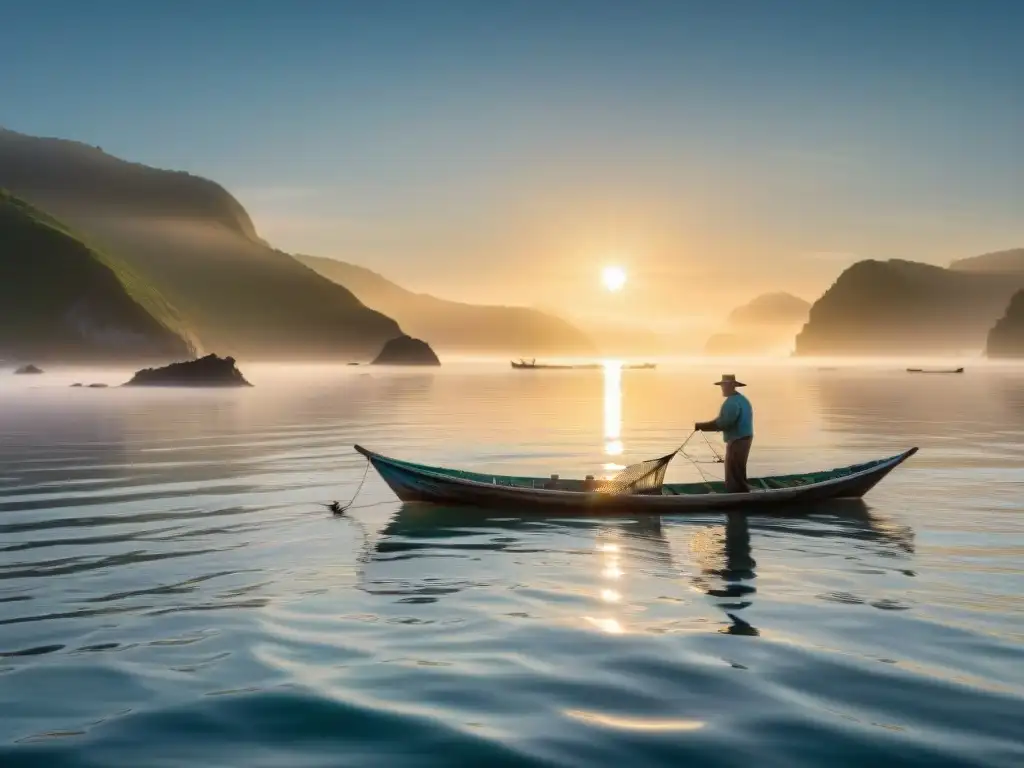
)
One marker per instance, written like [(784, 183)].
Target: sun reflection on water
[(611, 626), (609, 551), (636, 723), (610, 555), (612, 571), (613, 408)]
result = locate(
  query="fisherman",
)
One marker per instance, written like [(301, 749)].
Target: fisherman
[(736, 423)]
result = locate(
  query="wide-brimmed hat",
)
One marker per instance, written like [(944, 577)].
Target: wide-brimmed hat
[(730, 378)]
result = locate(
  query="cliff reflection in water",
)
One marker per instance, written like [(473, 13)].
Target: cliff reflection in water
[(903, 406)]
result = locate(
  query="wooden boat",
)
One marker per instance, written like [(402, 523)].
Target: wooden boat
[(529, 365), (926, 370), (419, 482)]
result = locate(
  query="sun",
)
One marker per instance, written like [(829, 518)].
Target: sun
[(613, 278)]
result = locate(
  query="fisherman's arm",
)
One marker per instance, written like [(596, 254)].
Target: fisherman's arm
[(728, 416)]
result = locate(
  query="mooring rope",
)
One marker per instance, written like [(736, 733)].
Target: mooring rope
[(340, 509)]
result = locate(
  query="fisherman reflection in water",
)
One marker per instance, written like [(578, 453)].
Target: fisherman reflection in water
[(725, 562), (736, 423)]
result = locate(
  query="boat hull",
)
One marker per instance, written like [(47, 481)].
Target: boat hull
[(414, 482)]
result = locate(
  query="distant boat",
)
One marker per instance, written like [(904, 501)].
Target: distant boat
[(531, 365), (935, 370)]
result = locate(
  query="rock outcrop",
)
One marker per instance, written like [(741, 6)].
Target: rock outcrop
[(209, 371), (405, 350), (899, 307), (28, 369), (1006, 339)]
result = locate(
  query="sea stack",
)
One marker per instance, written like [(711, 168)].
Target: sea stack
[(405, 350), (1006, 339), (27, 369), (209, 371)]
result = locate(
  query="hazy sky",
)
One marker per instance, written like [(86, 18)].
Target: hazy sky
[(505, 151)]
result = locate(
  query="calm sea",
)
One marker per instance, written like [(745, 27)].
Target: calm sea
[(172, 594)]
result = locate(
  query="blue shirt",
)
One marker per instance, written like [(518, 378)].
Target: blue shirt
[(736, 419)]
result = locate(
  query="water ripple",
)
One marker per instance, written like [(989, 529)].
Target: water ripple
[(171, 592)]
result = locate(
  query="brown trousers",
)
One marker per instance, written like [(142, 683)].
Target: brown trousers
[(736, 454)]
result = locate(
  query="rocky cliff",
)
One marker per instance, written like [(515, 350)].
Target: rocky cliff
[(897, 307), (1006, 339)]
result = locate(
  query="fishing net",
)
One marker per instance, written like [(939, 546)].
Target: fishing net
[(647, 477)]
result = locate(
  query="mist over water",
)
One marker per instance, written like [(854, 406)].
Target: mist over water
[(171, 593)]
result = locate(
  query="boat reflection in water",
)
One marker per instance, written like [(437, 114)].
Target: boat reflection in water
[(626, 587), (633, 555)]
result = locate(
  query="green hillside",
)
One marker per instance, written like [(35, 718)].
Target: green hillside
[(454, 326), (62, 299), (191, 239), (69, 173)]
